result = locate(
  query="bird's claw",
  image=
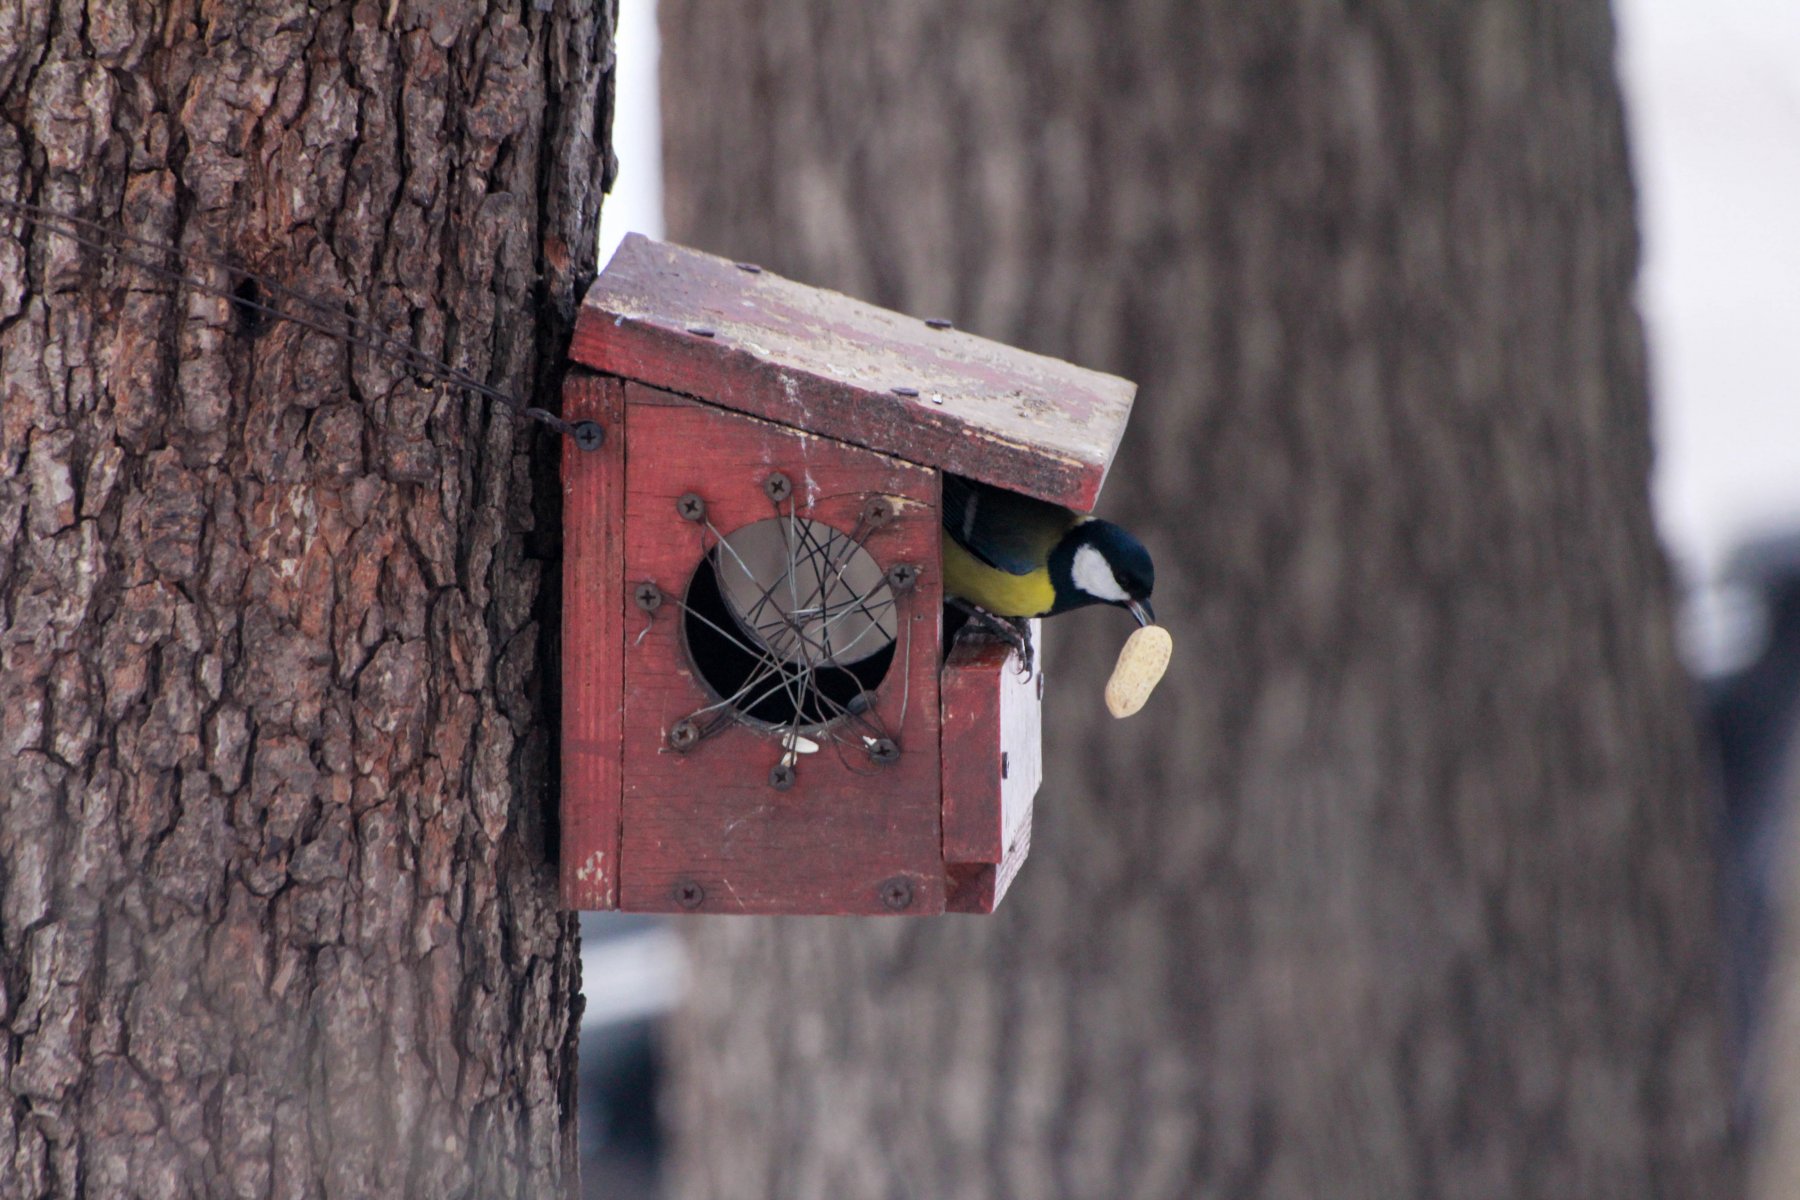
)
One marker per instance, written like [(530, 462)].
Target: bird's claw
[(1014, 631)]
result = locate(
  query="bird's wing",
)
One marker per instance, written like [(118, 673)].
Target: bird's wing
[(1005, 530)]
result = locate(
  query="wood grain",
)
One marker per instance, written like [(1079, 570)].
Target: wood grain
[(817, 360)]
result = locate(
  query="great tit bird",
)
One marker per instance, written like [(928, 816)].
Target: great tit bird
[(1012, 556)]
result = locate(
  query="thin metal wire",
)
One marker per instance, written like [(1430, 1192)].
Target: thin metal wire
[(813, 571), (332, 321), (826, 561), (813, 552), (768, 662)]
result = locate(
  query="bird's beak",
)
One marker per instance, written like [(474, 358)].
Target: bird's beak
[(1142, 611)]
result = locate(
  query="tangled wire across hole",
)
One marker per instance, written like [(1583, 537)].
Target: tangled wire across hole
[(791, 624)]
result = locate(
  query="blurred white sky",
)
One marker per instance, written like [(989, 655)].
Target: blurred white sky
[(635, 205), (1714, 94)]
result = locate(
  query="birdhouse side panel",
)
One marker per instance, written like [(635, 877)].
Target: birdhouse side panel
[(992, 765), (593, 657), (737, 799)]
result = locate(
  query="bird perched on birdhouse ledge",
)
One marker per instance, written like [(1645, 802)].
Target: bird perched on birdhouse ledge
[(761, 710)]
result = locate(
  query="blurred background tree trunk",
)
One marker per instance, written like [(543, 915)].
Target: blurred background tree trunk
[(277, 916), (1402, 884), (1776, 1052)]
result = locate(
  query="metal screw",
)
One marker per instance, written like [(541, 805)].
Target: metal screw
[(649, 597), (688, 894), (904, 391), (685, 735), (938, 323), (884, 751), (902, 576), (877, 512), (897, 893), (781, 777), (701, 331), (691, 507), (589, 435), (778, 486), (750, 267)]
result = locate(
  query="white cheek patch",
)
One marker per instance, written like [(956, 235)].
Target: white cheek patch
[(1094, 576)]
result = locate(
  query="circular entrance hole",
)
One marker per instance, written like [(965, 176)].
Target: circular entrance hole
[(790, 622)]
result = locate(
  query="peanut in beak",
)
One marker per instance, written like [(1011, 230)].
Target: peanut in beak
[(1142, 661)]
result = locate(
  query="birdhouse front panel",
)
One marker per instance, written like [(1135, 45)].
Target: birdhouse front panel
[(780, 736)]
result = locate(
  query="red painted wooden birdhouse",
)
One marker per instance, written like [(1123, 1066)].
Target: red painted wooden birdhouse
[(761, 713)]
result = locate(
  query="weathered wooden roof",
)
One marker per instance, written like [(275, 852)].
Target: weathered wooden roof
[(751, 341)]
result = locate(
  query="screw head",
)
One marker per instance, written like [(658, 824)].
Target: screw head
[(684, 735), (688, 894), (897, 893), (902, 576), (702, 331), (589, 435), (649, 597), (938, 323), (904, 391), (885, 751), (877, 512), (781, 777), (690, 506), (778, 487)]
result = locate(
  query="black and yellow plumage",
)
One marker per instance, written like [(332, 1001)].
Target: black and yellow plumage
[(1017, 557)]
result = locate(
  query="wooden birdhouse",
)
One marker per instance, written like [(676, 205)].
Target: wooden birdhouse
[(761, 713)]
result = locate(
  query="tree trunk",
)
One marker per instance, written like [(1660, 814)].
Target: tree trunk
[(277, 915), (1775, 1050), (1401, 885)]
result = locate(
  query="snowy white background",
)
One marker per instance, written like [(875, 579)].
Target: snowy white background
[(1714, 95)]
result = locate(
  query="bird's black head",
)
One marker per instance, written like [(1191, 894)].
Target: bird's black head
[(1100, 563)]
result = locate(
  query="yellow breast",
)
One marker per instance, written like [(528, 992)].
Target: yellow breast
[(1000, 592)]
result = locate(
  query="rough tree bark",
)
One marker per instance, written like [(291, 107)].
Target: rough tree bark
[(1401, 885), (276, 912)]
